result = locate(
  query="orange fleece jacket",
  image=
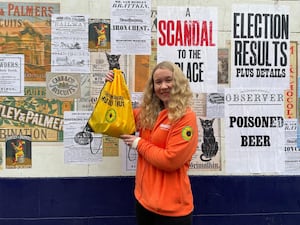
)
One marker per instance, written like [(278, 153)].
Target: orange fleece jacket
[(162, 184)]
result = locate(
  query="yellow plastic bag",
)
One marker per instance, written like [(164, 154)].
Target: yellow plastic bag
[(113, 113)]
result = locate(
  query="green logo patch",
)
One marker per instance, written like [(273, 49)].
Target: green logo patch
[(110, 115), (187, 133)]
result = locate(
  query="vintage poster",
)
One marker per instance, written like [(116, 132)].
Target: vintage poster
[(27, 30), (199, 104), (110, 146), (298, 113), (18, 152), (69, 44), (11, 75), (63, 85), (99, 69), (99, 34), (290, 95), (144, 64), (131, 27), (208, 154), (92, 83), (84, 102), (215, 105), (292, 153), (187, 36), (80, 146), (254, 131), (129, 159), (260, 46), (128, 154), (1, 156), (37, 117), (142, 72), (223, 65)]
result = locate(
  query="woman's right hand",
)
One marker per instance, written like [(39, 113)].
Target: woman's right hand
[(109, 76)]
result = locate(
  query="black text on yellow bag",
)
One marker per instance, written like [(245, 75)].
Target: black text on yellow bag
[(113, 113)]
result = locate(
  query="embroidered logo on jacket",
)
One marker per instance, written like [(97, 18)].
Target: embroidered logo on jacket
[(165, 126), (187, 133)]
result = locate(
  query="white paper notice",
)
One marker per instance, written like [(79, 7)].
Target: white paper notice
[(130, 27), (79, 146), (11, 75), (129, 159), (254, 131), (260, 46), (292, 153), (69, 44)]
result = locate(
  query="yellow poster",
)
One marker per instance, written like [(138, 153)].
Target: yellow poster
[(39, 118), (26, 30)]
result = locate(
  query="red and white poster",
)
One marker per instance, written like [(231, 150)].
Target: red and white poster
[(260, 46), (187, 36)]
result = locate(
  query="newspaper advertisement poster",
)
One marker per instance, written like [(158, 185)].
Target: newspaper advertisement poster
[(223, 66), (290, 95), (142, 72), (99, 34), (129, 159), (215, 105), (91, 84), (110, 146), (80, 146), (260, 46), (11, 75), (83, 103), (69, 44), (128, 154), (292, 153), (1, 156), (199, 104), (63, 85), (18, 152), (37, 117), (254, 131), (187, 36), (298, 113), (144, 64), (131, 27), (208, 154), (28, 31)]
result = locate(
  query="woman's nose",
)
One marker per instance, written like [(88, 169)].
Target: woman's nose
[(164, 85)]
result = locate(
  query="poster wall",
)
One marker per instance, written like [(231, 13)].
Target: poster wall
[(241, 61)]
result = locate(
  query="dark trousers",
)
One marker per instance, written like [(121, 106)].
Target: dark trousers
[(145, 217)]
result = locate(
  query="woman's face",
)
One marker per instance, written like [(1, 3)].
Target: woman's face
[(163, 83)]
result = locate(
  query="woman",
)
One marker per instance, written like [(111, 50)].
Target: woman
[(168, 138)]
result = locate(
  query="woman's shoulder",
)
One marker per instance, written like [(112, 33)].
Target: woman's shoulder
[(189, 115), (189, 110)]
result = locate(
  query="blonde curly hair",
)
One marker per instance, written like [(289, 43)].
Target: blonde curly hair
[(180, 97)]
